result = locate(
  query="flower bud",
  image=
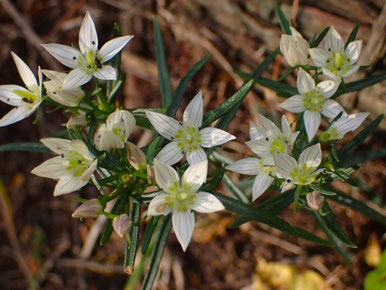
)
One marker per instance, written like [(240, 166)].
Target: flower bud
[(150, 174), (89, 209), (136, 157), (121, 225), (315, 200), (294, 48), (79, 120)]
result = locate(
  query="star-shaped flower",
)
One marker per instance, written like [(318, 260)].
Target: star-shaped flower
[(335, 60), (89, 61), (26, 100), (73, 167), (181, 196), (115, 132), (267, 139), (313, 101), (302, 172), (294, 48), (187, 138), (342, 126)]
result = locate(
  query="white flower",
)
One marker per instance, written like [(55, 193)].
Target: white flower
[(73, 168), (89, 61), (313, 101), (69, 97), (90, 209), (302, 172), (294, 48), (315, 200), (26, 100), (121, 225), (254, 166), (267, 139), (180, 197), (115, 132), (335, 60), (136, 156), (342, 126), (187, 138)]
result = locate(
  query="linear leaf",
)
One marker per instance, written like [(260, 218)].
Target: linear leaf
[(135, 217), (353, 34), (315, 42), (363, 156), (151, 226), (25, 146), (284, 24)]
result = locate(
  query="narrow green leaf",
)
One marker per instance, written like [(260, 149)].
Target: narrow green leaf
[(359, 85), (361, 157), (323, 190), (359, 138), (236, 191), (227, 105), (25, 146), (315, 42), (115, 89), (284, 24), (247, 211), (157, 253), (115, 62), (153, 148), (332, 237), (151, 226), (135, 217), (353, 34), (163, 74), (183, 84), (265, 64), (357, 205)]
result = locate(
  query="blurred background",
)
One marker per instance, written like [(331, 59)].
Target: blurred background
[(41, 246)]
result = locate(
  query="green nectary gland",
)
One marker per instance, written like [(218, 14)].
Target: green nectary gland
[(330, 134), (313, 101), (75, 163), (28, 97), (180, 197), (188, 139), (278, 145), (338, 64), (90, 62), (303, 175)]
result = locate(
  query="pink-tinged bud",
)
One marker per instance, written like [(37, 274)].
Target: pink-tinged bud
[(150, 174), (79, 120), (136, 157), (89, 209), (315, 200), (294, 48), (121, 225)]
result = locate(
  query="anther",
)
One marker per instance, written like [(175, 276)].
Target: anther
[(288, 180), (74, 58), (93, 42), (88, 66), (79, 161)]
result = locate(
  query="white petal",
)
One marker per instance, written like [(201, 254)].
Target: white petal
[(164, 125), (284, 165), (259, 147), (193, 112), (165, 175), (319, 56), (25, 72), (170, 154), (88, 39), (76, 78), (348, 123), (331, 109), (327, 88), (286, 127), (353, 50), (80, 147), (253, 131), (294, 32), (267, 127), (15, 115), (183, 225), (249, 166), (107, 72), (123, 120), (293, 104), (331, 75), (333, 41), (112, 47), (158, 206), (212, 137), (90, 170), (54, 75), (305, 83), (312, 123), (68, 183), (312, 156), (352, 70), (105, 140), (207, 203), (8, 96), (64, 54), (52, 168), (195, 175), (196, 156), (57, 145), (260, 185)]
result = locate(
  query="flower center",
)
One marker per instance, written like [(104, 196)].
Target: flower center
[(303, 175), (338, 64), (75, 163), (266, 169), (29, 98), (180, 198), (313, 101), (188, 139), (90, 62), (278, 145), (330, 134)]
